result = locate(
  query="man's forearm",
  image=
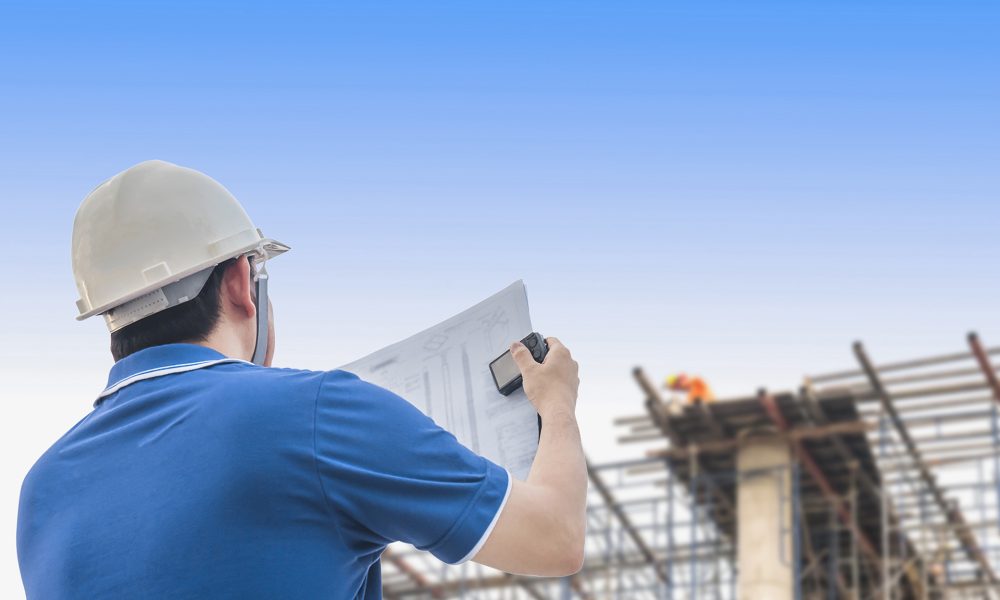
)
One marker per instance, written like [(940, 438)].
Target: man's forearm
[(560, 467), (542, 527)]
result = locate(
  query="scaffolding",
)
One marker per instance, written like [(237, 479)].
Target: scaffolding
[(892, 492)]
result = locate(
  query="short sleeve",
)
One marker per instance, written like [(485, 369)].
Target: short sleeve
[(391, 474)]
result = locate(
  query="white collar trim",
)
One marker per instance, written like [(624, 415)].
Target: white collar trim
[(165, 370)]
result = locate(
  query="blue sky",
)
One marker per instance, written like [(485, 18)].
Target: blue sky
[(730, 188)]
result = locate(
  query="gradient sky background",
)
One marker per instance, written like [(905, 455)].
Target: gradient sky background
[(731, 188)]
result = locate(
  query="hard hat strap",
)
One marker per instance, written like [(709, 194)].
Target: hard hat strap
[(259, 279)]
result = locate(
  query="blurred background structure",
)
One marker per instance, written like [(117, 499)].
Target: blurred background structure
[(882, 481)]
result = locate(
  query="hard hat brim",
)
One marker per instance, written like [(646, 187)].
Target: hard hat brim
[(263, 249)]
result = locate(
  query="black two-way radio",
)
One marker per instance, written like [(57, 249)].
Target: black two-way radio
[(506, 375)]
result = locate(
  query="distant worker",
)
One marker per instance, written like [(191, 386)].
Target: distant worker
[(696, 388), (203, 473)]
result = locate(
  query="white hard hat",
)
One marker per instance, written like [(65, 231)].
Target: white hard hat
[(148, 238)]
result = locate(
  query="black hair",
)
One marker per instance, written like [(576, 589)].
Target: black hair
[(190, 321)]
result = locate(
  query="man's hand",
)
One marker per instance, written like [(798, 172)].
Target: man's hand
[(552, 385), (542, 527)]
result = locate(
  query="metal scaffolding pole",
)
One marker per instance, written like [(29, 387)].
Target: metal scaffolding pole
[(627, 524), (953, 513), (816, 473)]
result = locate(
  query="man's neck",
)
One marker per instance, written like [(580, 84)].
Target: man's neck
[(226, 343)]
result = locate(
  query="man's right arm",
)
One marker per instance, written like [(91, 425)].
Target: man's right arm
[(542, 527)]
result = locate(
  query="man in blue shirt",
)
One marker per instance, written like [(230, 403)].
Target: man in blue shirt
[(202, 472)]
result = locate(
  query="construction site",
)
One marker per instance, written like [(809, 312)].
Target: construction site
[(879, 481)]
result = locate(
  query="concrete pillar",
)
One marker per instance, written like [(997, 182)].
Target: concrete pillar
[(764, 520)]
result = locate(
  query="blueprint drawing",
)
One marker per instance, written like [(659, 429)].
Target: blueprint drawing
[(444, 371)]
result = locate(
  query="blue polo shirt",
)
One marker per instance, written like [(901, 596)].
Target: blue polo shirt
[(199, 476)]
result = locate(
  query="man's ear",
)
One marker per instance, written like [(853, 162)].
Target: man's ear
[(237, 291)]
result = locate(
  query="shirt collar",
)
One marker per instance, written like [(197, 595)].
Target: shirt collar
[(162, 360)]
